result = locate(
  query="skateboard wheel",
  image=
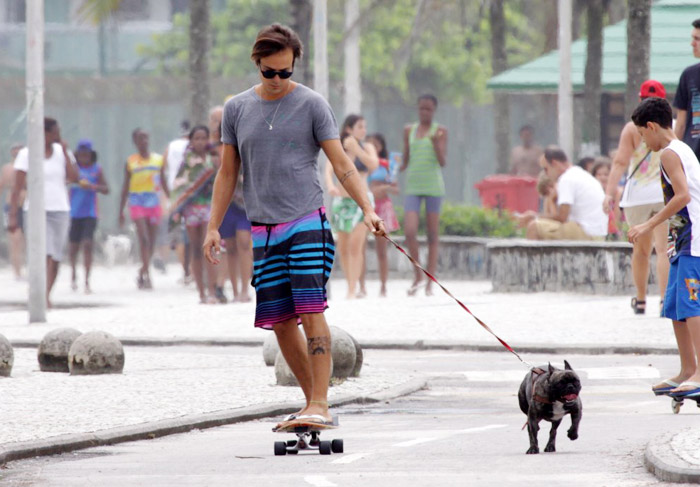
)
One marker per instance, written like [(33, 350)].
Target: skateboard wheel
[(337, 445), (324, 447), (280, 448), (676, 406)]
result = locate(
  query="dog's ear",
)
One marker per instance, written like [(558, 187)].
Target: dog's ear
[(567, 366), (551, 369)]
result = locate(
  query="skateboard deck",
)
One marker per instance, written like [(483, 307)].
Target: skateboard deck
[(308, 438), (677, 401)]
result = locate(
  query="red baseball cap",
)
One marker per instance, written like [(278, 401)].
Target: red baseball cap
[(651, 88)]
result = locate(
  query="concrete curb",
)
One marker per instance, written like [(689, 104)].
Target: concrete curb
[(661, 461), (581, 349), (146, 431)]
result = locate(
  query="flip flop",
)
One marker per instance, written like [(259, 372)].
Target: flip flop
[(662, 391), (689, 392), (289, 417), (314, 419)]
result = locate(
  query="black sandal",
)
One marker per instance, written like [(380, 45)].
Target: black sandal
[(639, 307)]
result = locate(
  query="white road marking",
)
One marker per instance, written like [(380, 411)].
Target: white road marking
[(598, 373), (480, 428), (417, 441), (426, 439), (351, 458), (593, 373), (319, 481), (516, 375)]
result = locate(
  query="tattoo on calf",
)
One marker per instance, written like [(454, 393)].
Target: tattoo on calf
[(319, 345), (347, 175)]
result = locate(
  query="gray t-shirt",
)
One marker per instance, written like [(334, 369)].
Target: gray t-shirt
[(279, 166)]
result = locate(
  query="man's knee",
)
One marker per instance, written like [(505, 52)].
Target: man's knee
[(284, 329), (532, 231)]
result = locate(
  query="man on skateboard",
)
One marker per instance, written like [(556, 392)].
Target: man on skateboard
[(272, 134)]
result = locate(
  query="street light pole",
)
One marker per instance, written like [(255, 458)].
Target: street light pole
[(353, 87), (321, 47), (36, 235), (565, 98)]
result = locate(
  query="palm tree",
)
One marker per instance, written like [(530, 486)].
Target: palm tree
[(593, 72), (198, 61), (638, 47), (99, 11), (499, 63)]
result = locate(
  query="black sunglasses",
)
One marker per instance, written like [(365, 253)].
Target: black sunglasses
[(271, 73)]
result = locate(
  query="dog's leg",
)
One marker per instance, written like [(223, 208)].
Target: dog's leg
[(575, 420), (533, 427), (552, 437)]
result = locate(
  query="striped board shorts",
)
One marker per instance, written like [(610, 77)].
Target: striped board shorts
[(292, 264)]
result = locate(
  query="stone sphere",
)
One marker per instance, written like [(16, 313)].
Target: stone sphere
[(359, 358), (7, 357), (96, 352), (344, 353), (283, 373), (54, 348), (270, 349)]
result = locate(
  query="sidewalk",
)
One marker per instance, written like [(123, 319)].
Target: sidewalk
[(169, 312)]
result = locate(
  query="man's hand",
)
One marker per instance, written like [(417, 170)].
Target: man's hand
[(212, 246), (637, 231), (607, 204), (375, 224)]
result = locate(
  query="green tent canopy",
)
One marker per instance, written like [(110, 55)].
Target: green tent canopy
[(670, 55)]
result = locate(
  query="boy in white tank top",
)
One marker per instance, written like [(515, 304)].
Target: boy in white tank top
[(680, 181)]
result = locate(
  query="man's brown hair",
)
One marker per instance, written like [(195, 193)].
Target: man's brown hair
[(273, 39), (554, 153)]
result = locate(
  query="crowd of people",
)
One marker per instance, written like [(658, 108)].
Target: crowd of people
[(168, 198)]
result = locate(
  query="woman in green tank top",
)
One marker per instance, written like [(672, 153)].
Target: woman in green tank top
[(424, 156)]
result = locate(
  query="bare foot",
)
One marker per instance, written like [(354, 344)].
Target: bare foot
[(692, 383), (319, 408), (382, 292), (414, 288), (244, 298), (428, 291)]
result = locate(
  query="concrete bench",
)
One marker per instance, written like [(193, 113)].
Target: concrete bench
[(587, 267)]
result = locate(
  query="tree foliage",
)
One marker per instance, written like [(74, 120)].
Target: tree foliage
[(407, 46)]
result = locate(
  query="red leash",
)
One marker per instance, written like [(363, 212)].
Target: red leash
[(432, 278)]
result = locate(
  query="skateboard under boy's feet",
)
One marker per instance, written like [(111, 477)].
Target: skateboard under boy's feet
[(678, 399), (308, 438)]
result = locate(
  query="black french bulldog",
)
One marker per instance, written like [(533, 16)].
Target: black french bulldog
[(550, 395)]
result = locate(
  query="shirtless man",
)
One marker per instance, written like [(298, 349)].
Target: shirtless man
[(16, 238)]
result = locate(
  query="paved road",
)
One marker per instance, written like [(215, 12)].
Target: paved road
[(464, 430)]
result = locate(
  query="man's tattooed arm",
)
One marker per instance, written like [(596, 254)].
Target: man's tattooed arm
[(347, 175), (319, 345)]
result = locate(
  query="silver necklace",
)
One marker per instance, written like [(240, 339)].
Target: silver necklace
[(269, 124)]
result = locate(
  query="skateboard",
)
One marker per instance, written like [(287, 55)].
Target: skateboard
[(677, 402), (308, 438)]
